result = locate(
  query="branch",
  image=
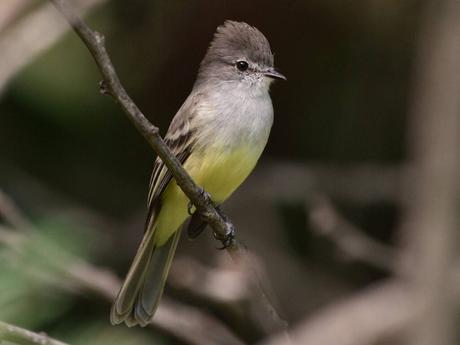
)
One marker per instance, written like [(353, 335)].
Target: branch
[(111, 84), (23, 336), (183, 322), (226, 290)]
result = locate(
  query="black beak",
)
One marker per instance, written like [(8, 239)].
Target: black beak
[(272, 73)]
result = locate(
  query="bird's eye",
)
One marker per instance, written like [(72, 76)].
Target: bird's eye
[(242, 65)]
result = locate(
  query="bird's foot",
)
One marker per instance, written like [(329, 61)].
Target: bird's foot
[(229, 238)]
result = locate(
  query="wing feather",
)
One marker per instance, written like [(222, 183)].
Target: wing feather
[(180, 140)]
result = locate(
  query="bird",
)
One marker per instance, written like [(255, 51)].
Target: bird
[(218, 135)]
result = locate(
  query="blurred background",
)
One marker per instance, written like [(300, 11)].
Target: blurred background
[(321, 212)]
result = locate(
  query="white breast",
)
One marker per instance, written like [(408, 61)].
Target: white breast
[(232, 117)]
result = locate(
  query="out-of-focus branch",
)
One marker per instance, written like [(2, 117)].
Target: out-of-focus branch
[(362, 319), (218, 285), (16, 335), (431, 226), (226, 290), (111, 84), (350, 240), (193, 323), (34, 33), (183, 322)]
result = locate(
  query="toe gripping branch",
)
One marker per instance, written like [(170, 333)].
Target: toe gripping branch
[(229, 237)]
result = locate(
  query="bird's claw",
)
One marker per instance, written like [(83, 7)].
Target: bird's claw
[(228, 239)]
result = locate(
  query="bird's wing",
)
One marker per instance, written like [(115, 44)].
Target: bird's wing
[(180, 140)]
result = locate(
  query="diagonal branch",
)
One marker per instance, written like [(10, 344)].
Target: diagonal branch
[(111, 84)]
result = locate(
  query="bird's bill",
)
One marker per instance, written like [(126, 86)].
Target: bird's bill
[(272, 73)]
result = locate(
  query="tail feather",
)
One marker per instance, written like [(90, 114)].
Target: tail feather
[(143, 287)]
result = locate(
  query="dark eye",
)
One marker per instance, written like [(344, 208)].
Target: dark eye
[(242, 65)]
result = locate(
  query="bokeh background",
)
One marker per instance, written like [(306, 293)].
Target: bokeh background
[(78, 171)]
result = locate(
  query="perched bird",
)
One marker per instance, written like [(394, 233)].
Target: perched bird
[(218, 135)]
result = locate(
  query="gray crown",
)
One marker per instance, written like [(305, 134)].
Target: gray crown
[(235, 40)]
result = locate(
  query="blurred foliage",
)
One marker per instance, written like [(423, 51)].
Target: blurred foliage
[(37, 293)]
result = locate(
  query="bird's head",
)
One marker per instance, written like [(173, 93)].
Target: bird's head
[(239, 55)]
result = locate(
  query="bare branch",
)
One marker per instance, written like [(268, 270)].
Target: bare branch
[(94, 41), (17, 335), (221, 225)]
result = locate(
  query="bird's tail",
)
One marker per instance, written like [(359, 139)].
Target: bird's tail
[(142, 289)]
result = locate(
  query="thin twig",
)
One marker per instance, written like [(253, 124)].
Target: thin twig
[(111, 84), (17, 335)]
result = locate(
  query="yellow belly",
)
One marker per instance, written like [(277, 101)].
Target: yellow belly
[(218, 172)]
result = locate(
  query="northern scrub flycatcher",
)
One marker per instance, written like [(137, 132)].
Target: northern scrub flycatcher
[(218, 135)]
